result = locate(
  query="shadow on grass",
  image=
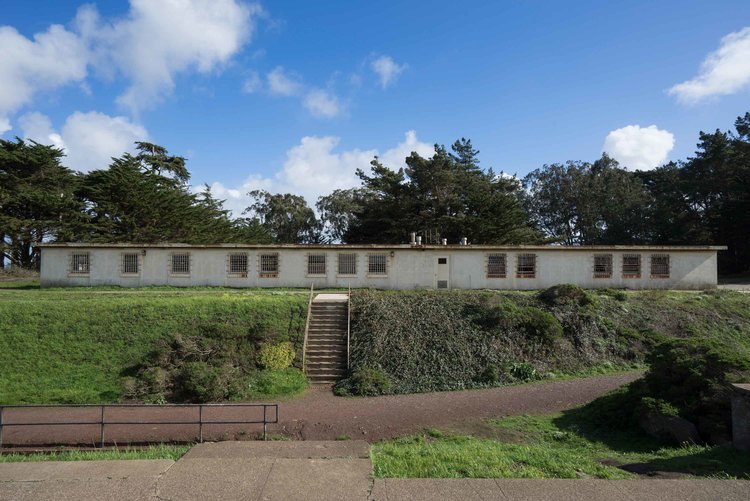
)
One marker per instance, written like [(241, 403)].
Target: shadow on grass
[(608, 420)]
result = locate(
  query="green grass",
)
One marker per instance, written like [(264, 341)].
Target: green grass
[(280, 383), (60, 346), (162, 451), (553, 446)]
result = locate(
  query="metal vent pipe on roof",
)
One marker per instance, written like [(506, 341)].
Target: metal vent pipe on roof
[(419, 240), (464, 241), (413, 237), (445, 241)]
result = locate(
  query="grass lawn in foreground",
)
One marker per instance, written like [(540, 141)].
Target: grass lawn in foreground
[(161, 451), (551, 446)]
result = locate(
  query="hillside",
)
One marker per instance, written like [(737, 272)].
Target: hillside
[(75, 346)]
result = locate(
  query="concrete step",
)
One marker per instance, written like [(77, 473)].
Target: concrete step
[(325, 371)]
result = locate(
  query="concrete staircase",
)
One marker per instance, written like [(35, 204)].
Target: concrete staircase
[(325, 357)]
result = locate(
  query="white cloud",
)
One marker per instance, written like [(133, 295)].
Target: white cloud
[(52, 59), (252, 83), (724, 71), (282, 84), (639, 148), (158, 40), (322, 104), (387, 69), (90, 140), (38, 127), (314, 168)]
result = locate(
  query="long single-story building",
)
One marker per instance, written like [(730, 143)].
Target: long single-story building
[(406, 266)]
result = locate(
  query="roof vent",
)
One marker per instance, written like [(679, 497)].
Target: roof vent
[(464, 241), (413, 237), (444, 241), (419, 240)]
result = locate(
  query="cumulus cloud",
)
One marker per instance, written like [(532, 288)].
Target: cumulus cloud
[(639, 148), (89, 140), (281, 83), (314, 168), (52, 59), (156, 41), (387, 70), (724, 71), (322, 104)]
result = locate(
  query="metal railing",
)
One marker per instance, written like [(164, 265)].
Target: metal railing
[(102, 422), (348, 322), (307, 327)]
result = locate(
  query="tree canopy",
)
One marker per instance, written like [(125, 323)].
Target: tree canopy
[(146, 197)]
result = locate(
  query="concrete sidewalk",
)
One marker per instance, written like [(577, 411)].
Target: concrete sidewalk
[(312, 471)]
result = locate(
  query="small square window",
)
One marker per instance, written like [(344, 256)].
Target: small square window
[(130, 263), (631, 266), (496, 266), (316, 264), (80, 264), (269, 265), (347, 264), (181, 263), (660, 266), (526, 266), (442, 260), (238, 263), (603, 266), (377, 265)]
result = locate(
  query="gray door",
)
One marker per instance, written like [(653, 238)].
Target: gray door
[(442, 272)]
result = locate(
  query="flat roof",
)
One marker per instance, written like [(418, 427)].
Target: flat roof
[(672, 248)]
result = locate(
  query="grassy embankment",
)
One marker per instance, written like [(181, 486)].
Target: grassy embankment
[(76, 346)]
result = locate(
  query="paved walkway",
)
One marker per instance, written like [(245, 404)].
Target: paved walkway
[(312, 471)]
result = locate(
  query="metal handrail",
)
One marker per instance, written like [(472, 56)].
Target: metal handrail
[(307, 327), (348, 322), (102, 422)]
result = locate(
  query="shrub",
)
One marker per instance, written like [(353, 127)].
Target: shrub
[(523, 371), (539, 324), (564, 293), (276, 356), (617, 294), (201, 382), (366, 382)]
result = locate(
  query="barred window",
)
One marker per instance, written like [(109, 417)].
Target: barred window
[(130, 263), (631, 266), (316, 264), (377, 264), (526, 266), (238, 263), (603, 266), (496, 266), (269, 265), (181, 263), (660, 265), (80, 263), (348, 264)]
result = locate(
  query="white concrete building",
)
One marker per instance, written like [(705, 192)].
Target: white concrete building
[(379, 266)]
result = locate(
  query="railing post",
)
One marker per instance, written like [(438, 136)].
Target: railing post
[(264, 422), (348, 323), (307, 327), (1, 426), (200, 423), (101, 435)]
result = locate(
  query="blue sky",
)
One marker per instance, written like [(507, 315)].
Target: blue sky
[(293, 96)]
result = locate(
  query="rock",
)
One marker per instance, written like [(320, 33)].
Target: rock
[(672, 428)]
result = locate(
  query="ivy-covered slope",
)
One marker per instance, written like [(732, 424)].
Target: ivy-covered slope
[(415, 341)]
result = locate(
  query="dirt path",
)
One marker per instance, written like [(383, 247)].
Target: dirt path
[(318, 415)]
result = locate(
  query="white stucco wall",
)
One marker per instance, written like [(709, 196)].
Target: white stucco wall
[(408, 268)]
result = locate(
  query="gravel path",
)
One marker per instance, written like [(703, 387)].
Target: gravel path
[(318, 415)]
